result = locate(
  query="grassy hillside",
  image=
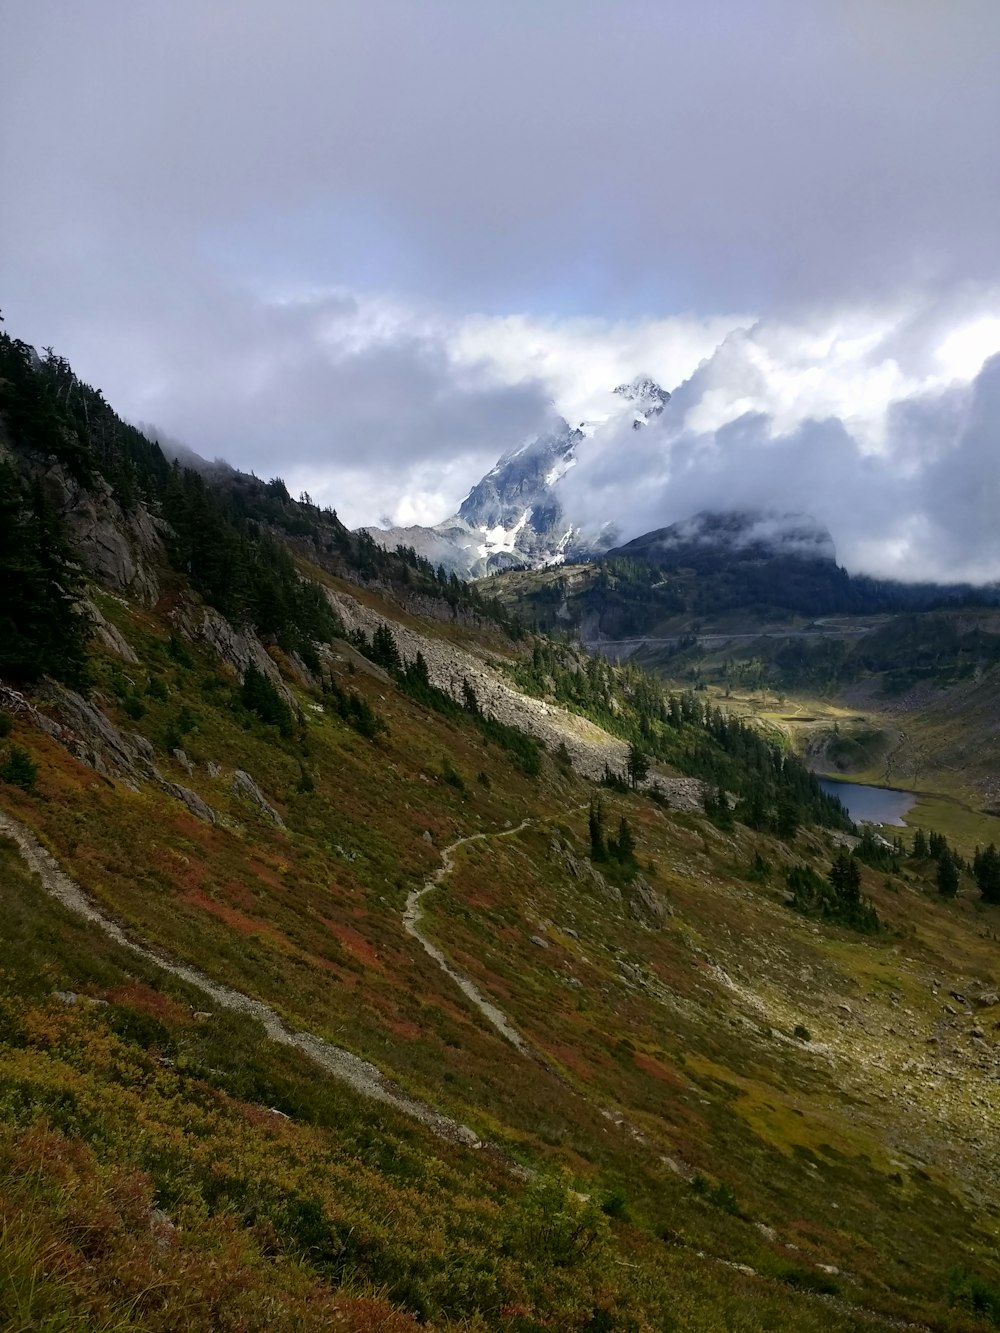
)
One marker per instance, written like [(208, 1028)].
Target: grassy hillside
[(350, 1022)]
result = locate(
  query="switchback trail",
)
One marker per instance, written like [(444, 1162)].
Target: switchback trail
[(413, 912)]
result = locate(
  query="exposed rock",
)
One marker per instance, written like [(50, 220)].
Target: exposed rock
[(109, 634), (49, 725), (541, 941), (182, 759), (239, 648), (645, 904), (121, 549), (97, 741), (143, 746), (192, 800), (93, 738), (213, 769), (244, 785), (301, 672)]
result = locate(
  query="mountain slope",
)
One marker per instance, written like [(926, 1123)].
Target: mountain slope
[(515, 514), (717, 1111)]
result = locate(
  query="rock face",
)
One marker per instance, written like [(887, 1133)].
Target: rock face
[(239, 648), (645, 903), (110, 635), (647, 398), (120, 548), (93, 738)]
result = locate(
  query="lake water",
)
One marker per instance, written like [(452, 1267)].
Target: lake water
[(878, 805)]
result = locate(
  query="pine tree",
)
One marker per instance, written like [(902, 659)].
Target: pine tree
[(598, 847), (947, 875), (845, 879), (637, 766), (41, 630), (624, 844), (986, 868)]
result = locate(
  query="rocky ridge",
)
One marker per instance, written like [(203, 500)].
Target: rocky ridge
[(450, 666)]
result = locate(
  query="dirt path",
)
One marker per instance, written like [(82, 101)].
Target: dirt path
[(361, 1076), (412, 914), (358, 1074)]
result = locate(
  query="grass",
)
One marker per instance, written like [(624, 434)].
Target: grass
[(147, 1179)]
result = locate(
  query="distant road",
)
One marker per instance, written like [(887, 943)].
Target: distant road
[(719, 640)]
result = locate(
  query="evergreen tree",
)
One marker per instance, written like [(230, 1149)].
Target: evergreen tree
[(19, 769), (41, 630), (845, 880), (637, 765), (258, 695), (947, 875), (986, 868), (623, 847), (598, 847), (920, 850)]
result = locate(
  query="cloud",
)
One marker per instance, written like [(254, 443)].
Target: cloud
[(353, 404), (906, 478), (364, 244), (597, 158)]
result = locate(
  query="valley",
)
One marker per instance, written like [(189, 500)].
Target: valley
[(371, 958)]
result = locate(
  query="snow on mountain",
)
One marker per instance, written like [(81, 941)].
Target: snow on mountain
[(514, 515), (647, 398)]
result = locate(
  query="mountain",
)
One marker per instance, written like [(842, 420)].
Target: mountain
[(515, 514), (743, 535), (368, 962)]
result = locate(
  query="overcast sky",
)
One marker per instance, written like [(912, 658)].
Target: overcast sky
[(370, 244)]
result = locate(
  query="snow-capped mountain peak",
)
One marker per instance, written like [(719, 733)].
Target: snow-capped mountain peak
[(514, 514), (647, 398)]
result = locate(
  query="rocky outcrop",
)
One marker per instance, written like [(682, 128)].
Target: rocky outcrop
[(201, 809), (645, 903), (244, 785), (238, 647), (95, 740), (126, 757), (109, 635), (120, 548)]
